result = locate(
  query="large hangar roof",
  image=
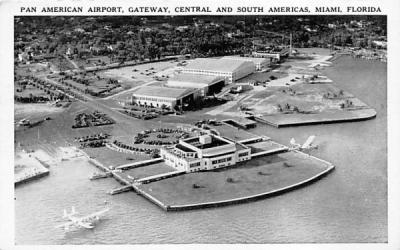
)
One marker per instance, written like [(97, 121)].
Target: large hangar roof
[(195, 78), (246, 58), (154, 91), (222, 64)]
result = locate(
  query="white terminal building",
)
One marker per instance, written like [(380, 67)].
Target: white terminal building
[(205, 152), (230, 69), (259, 62)]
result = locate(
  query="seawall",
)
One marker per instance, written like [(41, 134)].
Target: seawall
[(315, 122), (239, 200)]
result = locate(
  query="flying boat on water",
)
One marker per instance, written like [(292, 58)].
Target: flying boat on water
[(81, 222), (308, 144)]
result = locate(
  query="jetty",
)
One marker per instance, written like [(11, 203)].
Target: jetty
[(29, 168), (33, 174), (119, 190), (158, 177), (139, 164)]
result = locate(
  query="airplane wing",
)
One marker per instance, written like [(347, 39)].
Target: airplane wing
[(95, 214), (65, 224), (310, 140)]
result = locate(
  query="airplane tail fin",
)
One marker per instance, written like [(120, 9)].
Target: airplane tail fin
[(293, 141), (66, 214), (308, 142)]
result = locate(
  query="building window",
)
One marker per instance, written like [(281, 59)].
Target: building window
[(197, 164), (243, 154)]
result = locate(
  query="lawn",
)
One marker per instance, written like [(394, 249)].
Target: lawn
[(113, 158), (250, 178)]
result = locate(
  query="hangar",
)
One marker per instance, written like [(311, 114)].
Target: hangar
[(207, 84), (230, 69)]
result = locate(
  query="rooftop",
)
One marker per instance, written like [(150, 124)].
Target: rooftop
[(239, 146), (215, 142), (222, 64), (246, 58), (162, 91), (194, 78), (183, 148)]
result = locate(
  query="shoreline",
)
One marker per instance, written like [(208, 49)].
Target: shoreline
[(315, 121)]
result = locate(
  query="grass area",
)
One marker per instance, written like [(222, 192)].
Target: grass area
[(140, 73), (113, 158), (57, 130), (93, 61), (250, 178), (32, 68), (61, 64), (30, 90)]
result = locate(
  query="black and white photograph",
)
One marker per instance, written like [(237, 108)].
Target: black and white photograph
[(199, 128)]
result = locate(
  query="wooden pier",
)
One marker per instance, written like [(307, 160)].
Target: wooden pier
[(121, 189), (160, 176), (139, 164)]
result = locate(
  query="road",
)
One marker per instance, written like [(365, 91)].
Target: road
[(71, 62), (128, 90)]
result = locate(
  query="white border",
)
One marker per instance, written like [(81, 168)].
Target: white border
[(8, 9)]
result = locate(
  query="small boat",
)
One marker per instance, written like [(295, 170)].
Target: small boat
[(96, 176)]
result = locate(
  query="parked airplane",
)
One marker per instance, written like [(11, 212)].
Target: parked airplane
[(84, 222), (307, 145)]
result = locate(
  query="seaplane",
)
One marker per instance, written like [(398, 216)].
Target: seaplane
[(81, 222), (306, 145)]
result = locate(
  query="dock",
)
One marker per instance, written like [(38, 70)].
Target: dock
[(270, 152), (121, 189), (243, 123), (32, 169), (158, 177), (139, 164), (32, 175), (96, 176)]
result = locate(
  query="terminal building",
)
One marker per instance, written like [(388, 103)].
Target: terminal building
[(259, 62), (206, 84), (274, 55), (155, 96), (230, 69), (205, 152)]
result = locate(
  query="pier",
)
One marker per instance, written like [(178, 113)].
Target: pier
[(160, 176), (139, 164), (35, 174), (32, 169), (270, 152), (121, 189)]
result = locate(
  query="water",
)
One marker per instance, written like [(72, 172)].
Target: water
[(348, 205)]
